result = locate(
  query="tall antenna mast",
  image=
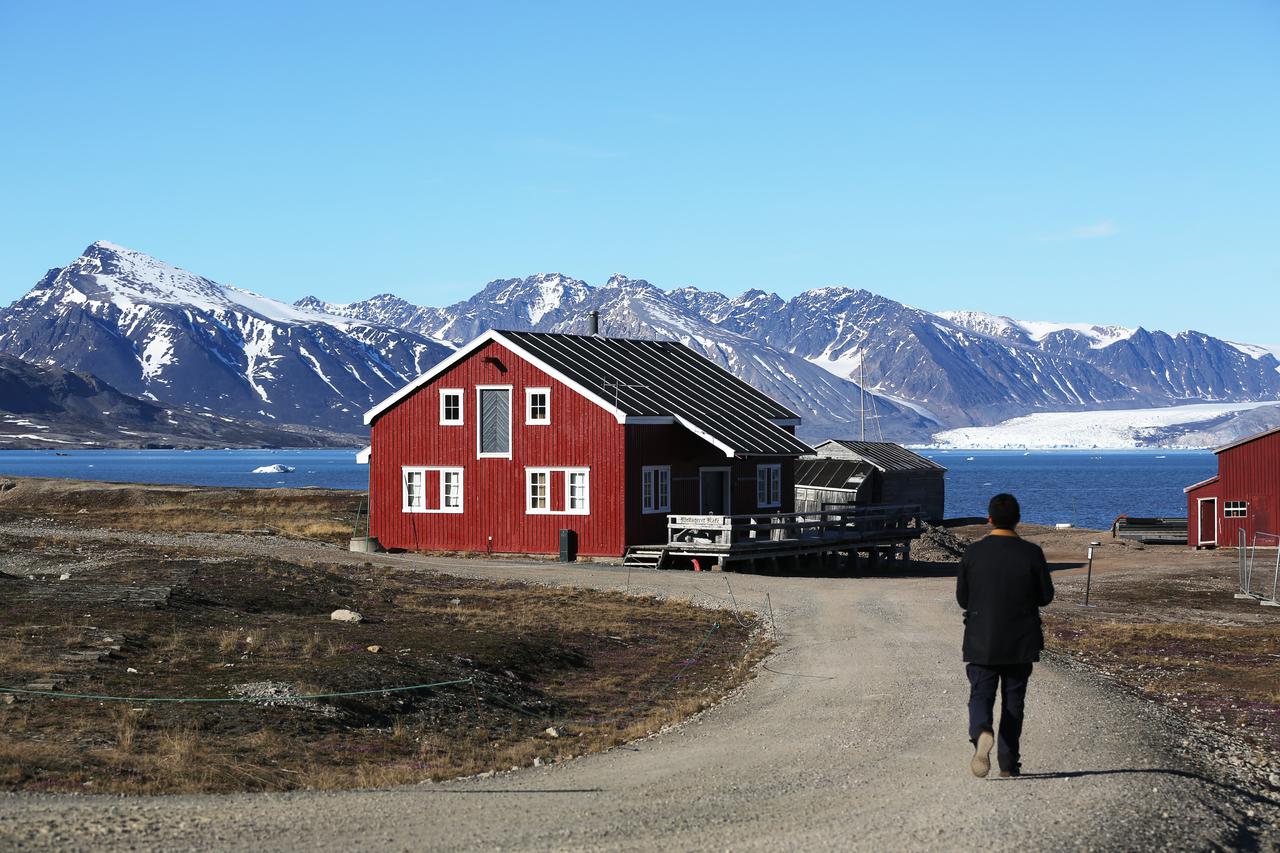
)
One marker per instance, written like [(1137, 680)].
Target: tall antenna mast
[(862, 396), (862, 400)]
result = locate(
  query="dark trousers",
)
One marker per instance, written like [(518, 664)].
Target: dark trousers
[(1011, 678)]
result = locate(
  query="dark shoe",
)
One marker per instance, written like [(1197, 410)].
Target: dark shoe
[(980, 764), (1011, 773)]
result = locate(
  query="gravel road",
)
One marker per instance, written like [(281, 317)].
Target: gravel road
[(851, 737)]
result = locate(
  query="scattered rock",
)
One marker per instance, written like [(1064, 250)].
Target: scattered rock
[(375, 649), (345, 616), (455, 601), (553, 732), (9, 699), (131, 670), (938, 545), (65, 576), (538, 762)]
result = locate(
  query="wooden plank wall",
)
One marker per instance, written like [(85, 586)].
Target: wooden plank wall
[(581, 434)]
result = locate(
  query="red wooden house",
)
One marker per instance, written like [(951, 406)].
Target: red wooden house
[(519, 435), (1245, 494)]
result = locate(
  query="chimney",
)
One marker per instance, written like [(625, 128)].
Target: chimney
[(593, 323)]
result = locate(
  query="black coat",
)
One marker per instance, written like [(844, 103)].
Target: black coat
[(1002, 584)]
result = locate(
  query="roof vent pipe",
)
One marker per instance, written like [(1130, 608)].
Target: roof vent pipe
[(593, 323)]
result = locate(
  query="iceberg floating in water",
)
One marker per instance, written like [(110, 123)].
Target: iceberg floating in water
[(273, 469)]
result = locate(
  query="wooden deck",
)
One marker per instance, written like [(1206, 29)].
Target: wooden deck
[(837, 535)]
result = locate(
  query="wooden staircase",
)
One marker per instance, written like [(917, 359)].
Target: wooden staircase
[(645, 557)]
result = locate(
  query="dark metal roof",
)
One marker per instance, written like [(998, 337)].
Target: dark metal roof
[(883, 454), (820, 473), (644, 378)]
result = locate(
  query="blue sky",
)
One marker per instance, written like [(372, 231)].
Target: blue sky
[(1102, 161)]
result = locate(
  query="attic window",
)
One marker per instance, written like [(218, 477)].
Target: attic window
[(537, 406), (451, 407)]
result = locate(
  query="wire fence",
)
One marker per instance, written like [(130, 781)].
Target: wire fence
[(1259, 580)]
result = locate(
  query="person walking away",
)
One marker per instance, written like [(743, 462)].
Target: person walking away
[(1002, 583)]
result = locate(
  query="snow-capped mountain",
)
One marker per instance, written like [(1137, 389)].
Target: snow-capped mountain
[(156, 331), (153, 330), (1158, 368), (42, 406), (951, 369), (552, 302)]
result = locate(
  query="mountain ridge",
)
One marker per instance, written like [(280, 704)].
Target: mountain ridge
[(159, 332)]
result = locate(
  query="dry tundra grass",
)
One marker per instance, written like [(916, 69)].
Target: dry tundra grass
[(325, 515), (601, 666)]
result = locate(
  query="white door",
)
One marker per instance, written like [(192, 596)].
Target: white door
[(1207, 523)]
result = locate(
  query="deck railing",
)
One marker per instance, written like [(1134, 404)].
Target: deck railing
[(834, 524)]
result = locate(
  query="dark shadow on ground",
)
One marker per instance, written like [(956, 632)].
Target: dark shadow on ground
[(439, 790), (1252, 796)]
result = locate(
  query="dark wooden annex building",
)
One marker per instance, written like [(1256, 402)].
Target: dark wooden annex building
[(870, 472)]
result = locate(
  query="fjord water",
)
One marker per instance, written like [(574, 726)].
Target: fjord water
[(1087, 488)]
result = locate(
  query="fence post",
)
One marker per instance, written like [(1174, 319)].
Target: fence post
[(1088, 581), (1243, 549), (1275, 579)]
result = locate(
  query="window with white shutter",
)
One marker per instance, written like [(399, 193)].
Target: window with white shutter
[(447, 497), (493, 425)]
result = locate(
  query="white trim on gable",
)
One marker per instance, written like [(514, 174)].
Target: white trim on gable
[(465, 350)]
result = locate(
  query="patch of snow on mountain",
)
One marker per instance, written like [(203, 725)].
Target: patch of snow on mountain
[(922, 411), (1109, 430), (1099, 337), (985, 324), (1255, 350), (281, 312), (156, 355), (845, 368)]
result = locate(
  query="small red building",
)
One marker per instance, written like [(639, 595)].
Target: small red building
[(1245, 495), (519, 435)]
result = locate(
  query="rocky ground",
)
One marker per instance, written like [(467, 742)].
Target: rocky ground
[(526, 674)]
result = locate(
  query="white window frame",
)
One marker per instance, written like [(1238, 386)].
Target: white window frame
[(480, 421), (651, 477), (405, 473), (444, 491), (769, 485), (529, 419), (569, 473), (529, 508), (421, 471), (1235, 509), (461, 395)]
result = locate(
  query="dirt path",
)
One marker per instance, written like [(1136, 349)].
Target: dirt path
[(851, 737)]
